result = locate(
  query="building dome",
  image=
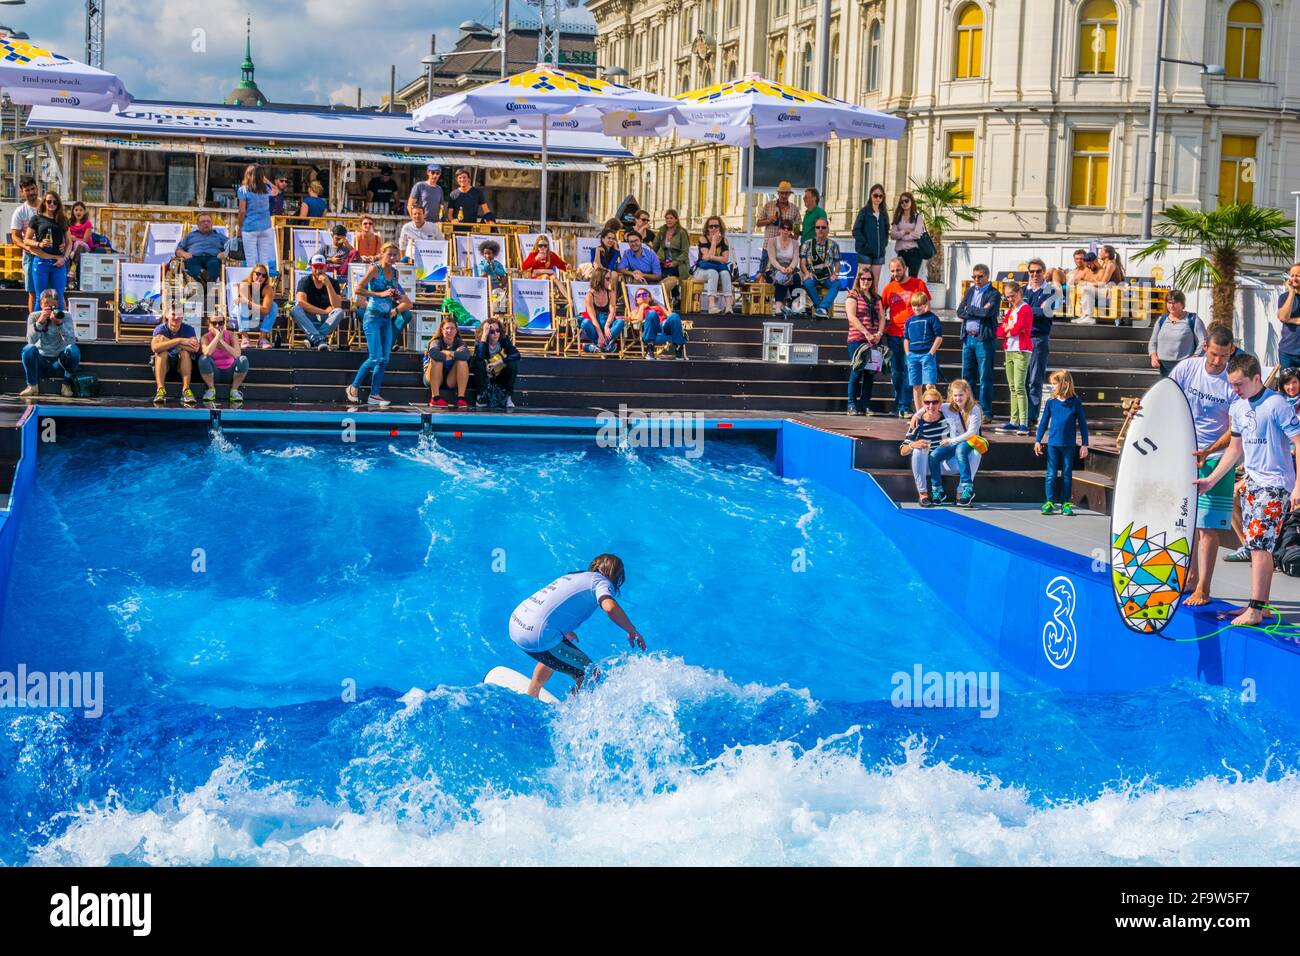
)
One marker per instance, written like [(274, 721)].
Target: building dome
[(246, 93)]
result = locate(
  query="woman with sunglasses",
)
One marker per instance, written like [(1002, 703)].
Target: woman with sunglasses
[(49, 241), (381, 299), (927, 431), (368, 241), (906, 230), (600, 326), (714, 261), (659, 328), (871, 233), (496, 363), (865, 311), (255, 302), (782, 265), (541, 262)]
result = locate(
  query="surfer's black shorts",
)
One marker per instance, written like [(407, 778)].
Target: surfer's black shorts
[(563, 657)]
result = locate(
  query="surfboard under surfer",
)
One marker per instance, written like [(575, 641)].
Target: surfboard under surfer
[(544, 625)]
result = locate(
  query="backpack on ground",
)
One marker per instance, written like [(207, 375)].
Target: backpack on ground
[(84, 385)]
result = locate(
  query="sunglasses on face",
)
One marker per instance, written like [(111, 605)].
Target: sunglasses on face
[(1035, 271), (821, 228), (877, 195), (930, 401), (542, 245)]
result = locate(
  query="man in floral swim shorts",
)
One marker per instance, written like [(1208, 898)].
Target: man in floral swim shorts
[(1266, 431)]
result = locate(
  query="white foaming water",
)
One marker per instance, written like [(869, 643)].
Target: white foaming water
[(292, 451), (776, 803)]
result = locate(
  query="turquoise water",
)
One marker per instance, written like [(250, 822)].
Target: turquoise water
[(293, 632)]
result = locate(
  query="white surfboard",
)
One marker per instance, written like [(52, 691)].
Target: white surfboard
[(517, 682), (1153, 521)]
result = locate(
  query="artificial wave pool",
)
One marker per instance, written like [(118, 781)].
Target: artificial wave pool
[(292, 634)]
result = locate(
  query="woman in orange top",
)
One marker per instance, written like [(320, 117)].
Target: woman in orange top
[(368, 242)]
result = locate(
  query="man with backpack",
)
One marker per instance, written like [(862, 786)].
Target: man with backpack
[(1176, 335)]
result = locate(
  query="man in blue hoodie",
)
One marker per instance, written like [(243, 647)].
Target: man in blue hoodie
[(979, 311)]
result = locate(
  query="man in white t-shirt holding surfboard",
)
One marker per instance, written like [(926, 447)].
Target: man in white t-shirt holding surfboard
[(1266, 432), (1204, 382), (544, 624)]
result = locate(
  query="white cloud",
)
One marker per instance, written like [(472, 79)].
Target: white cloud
[(306, 51)]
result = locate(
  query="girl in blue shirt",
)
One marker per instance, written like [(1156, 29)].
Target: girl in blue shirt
[(254, 226), (1064, 421)]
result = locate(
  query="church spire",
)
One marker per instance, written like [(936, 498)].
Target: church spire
[(246, 92)]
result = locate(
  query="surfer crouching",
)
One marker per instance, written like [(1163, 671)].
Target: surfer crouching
[(544, 625)]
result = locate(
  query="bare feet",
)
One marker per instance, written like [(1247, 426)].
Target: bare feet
[(1196, 598), (1249, 617)]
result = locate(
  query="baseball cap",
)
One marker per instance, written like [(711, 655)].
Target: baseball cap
[(433, 167), (784, 186), (385, 170), (318, 260)]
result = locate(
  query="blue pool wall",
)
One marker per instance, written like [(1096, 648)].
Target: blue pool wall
[(10, 517), (996, 582)]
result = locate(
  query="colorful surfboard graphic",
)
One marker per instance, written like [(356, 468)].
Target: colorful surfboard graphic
[(1148, 573)]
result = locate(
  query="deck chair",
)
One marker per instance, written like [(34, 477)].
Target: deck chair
[(533, 303)]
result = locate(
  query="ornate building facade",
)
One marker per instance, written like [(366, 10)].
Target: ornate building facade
[(1038, 107)]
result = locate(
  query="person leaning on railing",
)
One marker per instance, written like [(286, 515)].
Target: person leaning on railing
[(1176, 335), (496, 366), (254, 224)]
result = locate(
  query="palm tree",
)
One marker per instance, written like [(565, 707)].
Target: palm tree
[(943, 204), (1224, 235)]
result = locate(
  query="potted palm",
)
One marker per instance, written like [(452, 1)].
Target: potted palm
[(1224, 235), (943, 204)]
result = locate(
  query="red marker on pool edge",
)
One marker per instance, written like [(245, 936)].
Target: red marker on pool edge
[(724, 424), (457, 434), (393, 433)]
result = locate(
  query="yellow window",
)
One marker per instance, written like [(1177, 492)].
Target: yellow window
[(961, 162), (1098, 37), (1237, 170), (725, 198), (1244, 41), (679, 194), (701, 188), (1089, 169), (970, 42)]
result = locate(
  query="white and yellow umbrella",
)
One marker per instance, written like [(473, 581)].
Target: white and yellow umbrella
[(34, 76), (757, 112), (548, 99)]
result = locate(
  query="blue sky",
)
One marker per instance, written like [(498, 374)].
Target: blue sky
[(306, 51)]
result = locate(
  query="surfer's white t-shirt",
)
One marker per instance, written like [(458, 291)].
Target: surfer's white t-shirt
[(1208, 395), (541, 620), (1266, 427)]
